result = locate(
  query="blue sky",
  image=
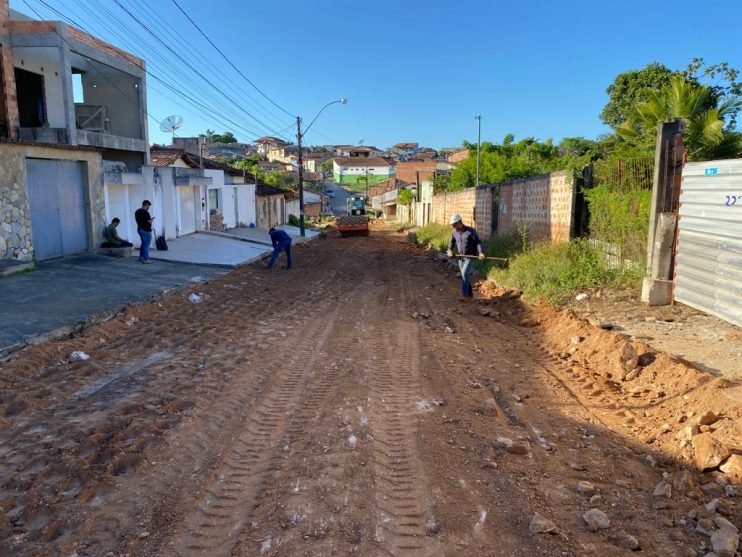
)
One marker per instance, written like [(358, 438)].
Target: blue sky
[(412, 71)]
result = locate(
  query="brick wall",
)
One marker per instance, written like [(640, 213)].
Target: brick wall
[(408, 171), (8, 102), (104, 46), (473, 204), (544, 203), (382, 187)]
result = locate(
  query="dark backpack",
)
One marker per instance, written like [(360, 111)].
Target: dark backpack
[(161, 243)]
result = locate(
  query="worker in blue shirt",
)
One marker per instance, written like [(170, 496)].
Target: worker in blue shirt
[(467, 242), (281, 241)]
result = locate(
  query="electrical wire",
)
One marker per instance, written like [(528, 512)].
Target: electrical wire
[(205, 36), (208, 63), (53, 28), (204, 107), (189, 65)]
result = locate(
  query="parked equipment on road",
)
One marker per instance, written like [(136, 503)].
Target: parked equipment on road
[(355, 223)]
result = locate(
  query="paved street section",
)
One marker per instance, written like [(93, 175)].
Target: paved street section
[(63, 292)]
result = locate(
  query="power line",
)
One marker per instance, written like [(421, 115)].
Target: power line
[(146, 28), (53, 28), (205, 36), (151, 74), (188, 46), (166, 66)]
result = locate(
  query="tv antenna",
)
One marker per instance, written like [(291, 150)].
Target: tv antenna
[(171, 123)]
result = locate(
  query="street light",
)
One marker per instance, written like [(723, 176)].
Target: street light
[(299, 136), (478, 118)]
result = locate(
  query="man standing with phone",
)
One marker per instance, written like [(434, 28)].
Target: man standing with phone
[(144, 229)]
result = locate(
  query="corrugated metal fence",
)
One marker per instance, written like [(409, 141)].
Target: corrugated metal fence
[(708, 270)]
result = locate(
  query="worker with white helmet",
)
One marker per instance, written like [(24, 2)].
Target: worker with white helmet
[(467, 243)]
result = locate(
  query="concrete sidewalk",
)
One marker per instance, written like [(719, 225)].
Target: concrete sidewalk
[(261, 236), (64, 292), (210, 249)]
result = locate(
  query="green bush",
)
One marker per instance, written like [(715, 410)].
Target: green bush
[(621, 220), (552, 272), (434, 235)]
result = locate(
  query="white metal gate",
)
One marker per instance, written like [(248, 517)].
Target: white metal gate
[(708, 269), (186, 210)]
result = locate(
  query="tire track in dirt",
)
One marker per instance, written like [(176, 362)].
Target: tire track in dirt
[(197, 446), (296, 508), (215, 525), (106, 419), (406, 523)]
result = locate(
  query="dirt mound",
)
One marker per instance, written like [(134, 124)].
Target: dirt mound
[(659, 399)]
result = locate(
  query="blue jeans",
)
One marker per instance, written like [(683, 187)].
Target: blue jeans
[(466, 266), (146, 237), (285, 245)]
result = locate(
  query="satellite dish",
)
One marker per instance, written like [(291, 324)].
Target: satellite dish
[(171, 123)]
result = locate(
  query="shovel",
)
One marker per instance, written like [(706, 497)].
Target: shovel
[(503, 259)]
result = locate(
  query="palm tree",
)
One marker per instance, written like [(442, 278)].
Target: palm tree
[(705, 136)]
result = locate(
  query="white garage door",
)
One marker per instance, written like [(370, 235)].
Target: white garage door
[(186, 210), (56, 192)]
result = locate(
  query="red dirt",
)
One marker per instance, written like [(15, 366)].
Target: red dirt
[(353, 406)]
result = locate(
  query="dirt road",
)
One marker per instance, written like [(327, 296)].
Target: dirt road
[(349, 406)]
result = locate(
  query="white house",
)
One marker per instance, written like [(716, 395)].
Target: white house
[(352, 170), (197, 187)]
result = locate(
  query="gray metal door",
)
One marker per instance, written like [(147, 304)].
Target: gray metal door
[(57, 202), (708, 270)]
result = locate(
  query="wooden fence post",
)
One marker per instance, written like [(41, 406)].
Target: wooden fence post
[(668, 166)]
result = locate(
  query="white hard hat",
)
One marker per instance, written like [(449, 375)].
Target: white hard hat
[(454, 219)]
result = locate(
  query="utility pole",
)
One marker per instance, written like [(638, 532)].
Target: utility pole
[(478, 118), (299, 136), (301, 178)]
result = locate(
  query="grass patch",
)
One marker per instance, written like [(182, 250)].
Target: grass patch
[(553, 272), (434, 235), (548, 272)]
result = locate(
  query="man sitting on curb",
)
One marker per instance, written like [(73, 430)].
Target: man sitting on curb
[(112, 238), (281, 241), (467, 242)]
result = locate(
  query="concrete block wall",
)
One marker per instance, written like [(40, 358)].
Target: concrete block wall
[(460, 202), (544, 203)]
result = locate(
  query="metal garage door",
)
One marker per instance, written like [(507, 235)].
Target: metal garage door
[(57, 202), (186, 210), (708, 271)]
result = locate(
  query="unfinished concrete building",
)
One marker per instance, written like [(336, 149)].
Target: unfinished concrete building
[(73, 122)]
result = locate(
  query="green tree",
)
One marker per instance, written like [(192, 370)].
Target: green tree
[(211, 137), (441, 183), (706, 136), (280, 179), (631, 87), (326, 166), (507, 161), (406, 197), (722, 80)]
